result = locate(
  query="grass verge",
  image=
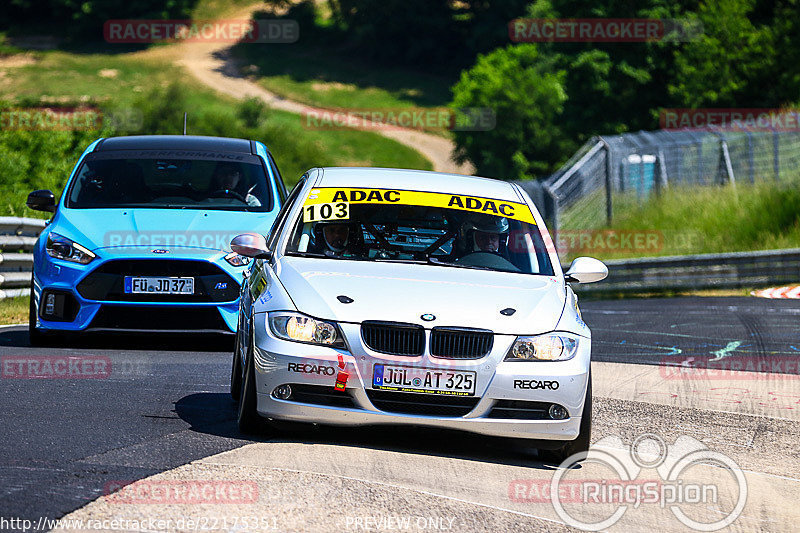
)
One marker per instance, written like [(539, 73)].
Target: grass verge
[(322, 77), (125, 82), (14, 310), (697, 220)]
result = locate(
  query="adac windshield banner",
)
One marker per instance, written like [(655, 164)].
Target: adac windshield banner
[(341, 198)]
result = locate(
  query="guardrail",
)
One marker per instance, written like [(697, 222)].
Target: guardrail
[(17, 238), (706, 271)]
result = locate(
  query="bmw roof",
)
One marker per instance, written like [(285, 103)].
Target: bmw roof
[(416, 180), (174, 142)]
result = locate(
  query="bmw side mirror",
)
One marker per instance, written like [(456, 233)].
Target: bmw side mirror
[(251, 245), (586, 270), (42, 200)]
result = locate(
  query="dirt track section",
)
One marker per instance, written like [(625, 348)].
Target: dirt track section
[(212, 64)]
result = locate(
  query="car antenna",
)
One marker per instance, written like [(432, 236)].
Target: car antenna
[(184, 122)]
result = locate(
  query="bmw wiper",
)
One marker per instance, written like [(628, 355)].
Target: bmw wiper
[(314, 254), (438, 262)]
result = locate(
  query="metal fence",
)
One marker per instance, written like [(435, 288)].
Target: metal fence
[(583, 193), (706, 271), (17, 237)]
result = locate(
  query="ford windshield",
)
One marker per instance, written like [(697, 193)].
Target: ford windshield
[(120, 180)]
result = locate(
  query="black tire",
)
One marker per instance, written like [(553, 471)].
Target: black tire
[(236, 369), (249, 421), (580, 444)]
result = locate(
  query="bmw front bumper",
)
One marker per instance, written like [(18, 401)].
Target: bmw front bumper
[(511, 399)]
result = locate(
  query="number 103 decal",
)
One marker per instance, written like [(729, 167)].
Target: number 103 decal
[(317, 212)]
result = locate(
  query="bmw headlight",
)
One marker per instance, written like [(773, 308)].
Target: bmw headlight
[(60, 247), (548, 347), (301, 328)]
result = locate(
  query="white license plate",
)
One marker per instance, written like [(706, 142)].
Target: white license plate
[(154, 285), (423, 380)]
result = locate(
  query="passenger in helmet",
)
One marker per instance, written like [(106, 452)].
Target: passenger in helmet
[(485, 234)]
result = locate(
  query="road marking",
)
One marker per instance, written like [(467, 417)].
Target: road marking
[(721, 354)]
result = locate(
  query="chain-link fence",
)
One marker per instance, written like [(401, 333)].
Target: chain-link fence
[(606, 170)]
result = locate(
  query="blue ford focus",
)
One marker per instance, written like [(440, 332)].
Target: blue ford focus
[(140, 238)]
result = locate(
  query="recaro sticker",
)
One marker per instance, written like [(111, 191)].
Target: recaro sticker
[(335, 196)]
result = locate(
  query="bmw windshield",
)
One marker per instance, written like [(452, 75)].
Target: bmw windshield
[(120, 179), (426, 228)]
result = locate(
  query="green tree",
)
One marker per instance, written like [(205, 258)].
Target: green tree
[(526, 91)]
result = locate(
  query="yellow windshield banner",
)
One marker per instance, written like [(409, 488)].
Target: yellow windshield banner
[(474, 204)]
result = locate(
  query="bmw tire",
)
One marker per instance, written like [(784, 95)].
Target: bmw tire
[(248, 419)]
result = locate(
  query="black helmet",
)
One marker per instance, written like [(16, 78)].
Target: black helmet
[(322, 243), (483, 224), (487, 224)]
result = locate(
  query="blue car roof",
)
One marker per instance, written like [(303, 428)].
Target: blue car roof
[(175, 142)]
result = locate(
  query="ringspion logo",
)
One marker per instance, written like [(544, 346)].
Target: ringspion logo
[(699, 499)]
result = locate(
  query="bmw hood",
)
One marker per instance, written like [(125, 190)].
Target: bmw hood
[(134, 228), (399, 292)]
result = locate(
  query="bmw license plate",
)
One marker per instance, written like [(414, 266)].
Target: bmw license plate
[(424, 380), (154, 285)]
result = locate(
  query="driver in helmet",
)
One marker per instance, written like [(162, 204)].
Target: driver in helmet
[(487, 234), (227, 177), (334, 238)]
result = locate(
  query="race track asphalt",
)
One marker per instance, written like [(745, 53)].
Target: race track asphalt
[(166, 404)]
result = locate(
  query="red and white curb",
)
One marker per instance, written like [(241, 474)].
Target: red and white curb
[(778, 292)]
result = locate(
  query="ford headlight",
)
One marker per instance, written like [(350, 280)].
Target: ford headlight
[(302, 328), (62, 248), (237, 260), (548, 347)]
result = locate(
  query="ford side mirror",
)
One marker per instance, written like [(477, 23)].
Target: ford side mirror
[(586, 270), (251, 245), (42, 200)]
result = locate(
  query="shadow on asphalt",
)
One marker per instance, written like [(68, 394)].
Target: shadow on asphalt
[(18, 338), (215, 414)]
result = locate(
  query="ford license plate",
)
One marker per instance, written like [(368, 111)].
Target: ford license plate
[(158, 285)]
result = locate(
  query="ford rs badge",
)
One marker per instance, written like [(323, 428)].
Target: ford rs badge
[(159, 251), (427, 317)]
